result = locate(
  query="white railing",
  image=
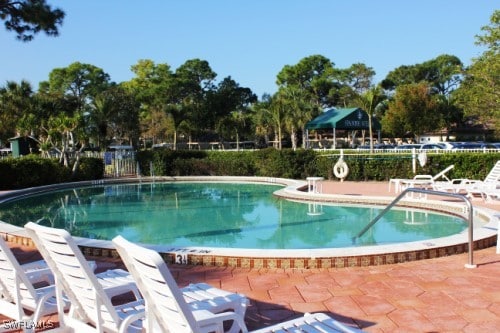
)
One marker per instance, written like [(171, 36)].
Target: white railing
[(409, 151), (117, 164)]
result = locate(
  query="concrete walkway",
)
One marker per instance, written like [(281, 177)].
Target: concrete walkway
[(434, 295)]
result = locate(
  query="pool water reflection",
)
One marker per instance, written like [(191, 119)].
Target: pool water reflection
[(228, 215)]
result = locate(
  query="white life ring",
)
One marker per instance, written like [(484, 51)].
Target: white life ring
[(340, 169)]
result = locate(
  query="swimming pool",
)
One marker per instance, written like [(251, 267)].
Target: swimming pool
[(221, 215), (485, 226)]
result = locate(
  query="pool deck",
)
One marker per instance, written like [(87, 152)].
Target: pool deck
[(432, 295)]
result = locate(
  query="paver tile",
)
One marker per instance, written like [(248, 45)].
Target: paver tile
[(449, 323), (490, 326), (314, 293), (345, 306), (262, 281), (291, 280), (237, 284), (412, 320), (322, 279), (478, 315), (345, 291), (376, 323), (373, 305), (288, 294), (310, 307), (439, 298)]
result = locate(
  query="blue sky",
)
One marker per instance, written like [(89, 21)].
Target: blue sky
[(251, 40)]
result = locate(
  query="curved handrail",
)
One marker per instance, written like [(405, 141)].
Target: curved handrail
[(470, 263)]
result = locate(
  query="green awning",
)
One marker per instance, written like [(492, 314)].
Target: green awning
[(343, 119)]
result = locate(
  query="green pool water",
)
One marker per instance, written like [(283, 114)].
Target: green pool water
[(225, 215)]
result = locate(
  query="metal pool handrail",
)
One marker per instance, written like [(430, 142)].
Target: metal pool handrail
[(470, 263)]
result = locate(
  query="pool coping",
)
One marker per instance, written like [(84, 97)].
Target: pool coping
[(484, 235)]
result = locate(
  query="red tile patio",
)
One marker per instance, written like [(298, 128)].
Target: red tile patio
[(433, 295)]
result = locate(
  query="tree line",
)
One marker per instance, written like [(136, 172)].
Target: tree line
[(79, 105)]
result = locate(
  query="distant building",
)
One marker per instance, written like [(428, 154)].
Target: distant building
[(23, 145), (463, 133)]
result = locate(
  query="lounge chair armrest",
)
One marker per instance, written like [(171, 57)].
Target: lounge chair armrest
[(34, 265), (40, 275), (205, 317), (47, 289), (425, 177), (459, 180), (135, 311)]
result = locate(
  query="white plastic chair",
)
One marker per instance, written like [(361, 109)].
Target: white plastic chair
[(18, 292), (91, 307), (168, 311)]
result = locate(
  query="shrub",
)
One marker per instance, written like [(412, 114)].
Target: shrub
[(90, 168), (287, 163), (32, 170), (240, 163)]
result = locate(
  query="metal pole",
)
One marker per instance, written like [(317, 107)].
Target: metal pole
[(414, 160), (470, 263)]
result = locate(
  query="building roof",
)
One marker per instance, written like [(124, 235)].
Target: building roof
[(344, 119)]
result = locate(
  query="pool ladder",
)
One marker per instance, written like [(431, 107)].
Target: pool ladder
[(470, 263)]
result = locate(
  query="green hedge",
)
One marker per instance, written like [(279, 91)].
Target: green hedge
[(90, 168), (240, 163), (299, 164), (382, 167), (31, 170), (287, 163), (269, 162)]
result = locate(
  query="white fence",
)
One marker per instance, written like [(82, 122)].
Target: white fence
[(119, 165), (410, 151), (116, 163)]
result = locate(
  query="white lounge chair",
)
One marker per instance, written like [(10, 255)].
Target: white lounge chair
[(425, 181), (168, 311), (18, 292), (458, 185), (486, 191), (59, 244), (91, 307), (491, 194), (485, 188)]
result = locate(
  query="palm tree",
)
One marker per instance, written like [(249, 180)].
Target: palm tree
[(277, 114), (100, 116), (299, 111), (369, 101), (261, 119), (65, 127)]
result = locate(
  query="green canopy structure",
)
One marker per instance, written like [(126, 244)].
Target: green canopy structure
[(351, 119)]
